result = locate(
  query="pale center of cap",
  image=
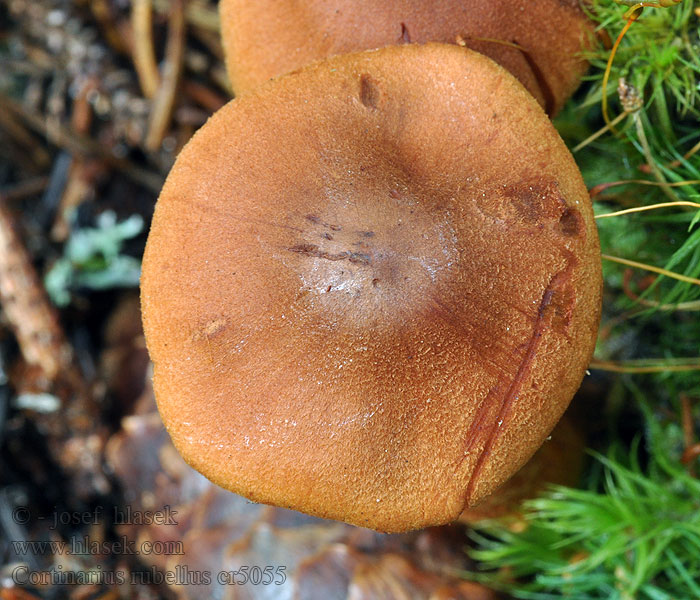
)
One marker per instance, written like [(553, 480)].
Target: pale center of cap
[(373, 257)]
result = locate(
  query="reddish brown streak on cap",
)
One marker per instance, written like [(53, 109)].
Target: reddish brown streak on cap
[(372, 287), (558, 461), (266, 38)]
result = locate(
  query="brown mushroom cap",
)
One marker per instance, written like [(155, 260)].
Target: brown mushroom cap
[(266, 38), (559, 461), (372, 287)]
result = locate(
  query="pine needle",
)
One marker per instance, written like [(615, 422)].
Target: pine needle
[(647, 366), (601, 131), (637, 209), (608, 69), (660, 271)]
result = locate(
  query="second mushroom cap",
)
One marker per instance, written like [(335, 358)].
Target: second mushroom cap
[(372, 287), (540, 42)]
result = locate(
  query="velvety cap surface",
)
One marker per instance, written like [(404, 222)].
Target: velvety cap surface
[(372, 287), (559, 461), (537, 41)]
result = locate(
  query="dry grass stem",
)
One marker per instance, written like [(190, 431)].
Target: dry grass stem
[(143, 52), (164, 100)]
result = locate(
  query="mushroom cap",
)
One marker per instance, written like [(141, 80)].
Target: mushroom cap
[(266, 38), (372, 287), (559, 461)]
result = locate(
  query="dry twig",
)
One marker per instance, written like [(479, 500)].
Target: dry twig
[(72, 432), (24, 302), (81, 145)]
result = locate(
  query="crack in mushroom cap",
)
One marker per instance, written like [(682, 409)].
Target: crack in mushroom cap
[(538, 42), (372, 287)]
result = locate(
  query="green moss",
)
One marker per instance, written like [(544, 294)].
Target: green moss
[(635, 531), (639, 537)]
